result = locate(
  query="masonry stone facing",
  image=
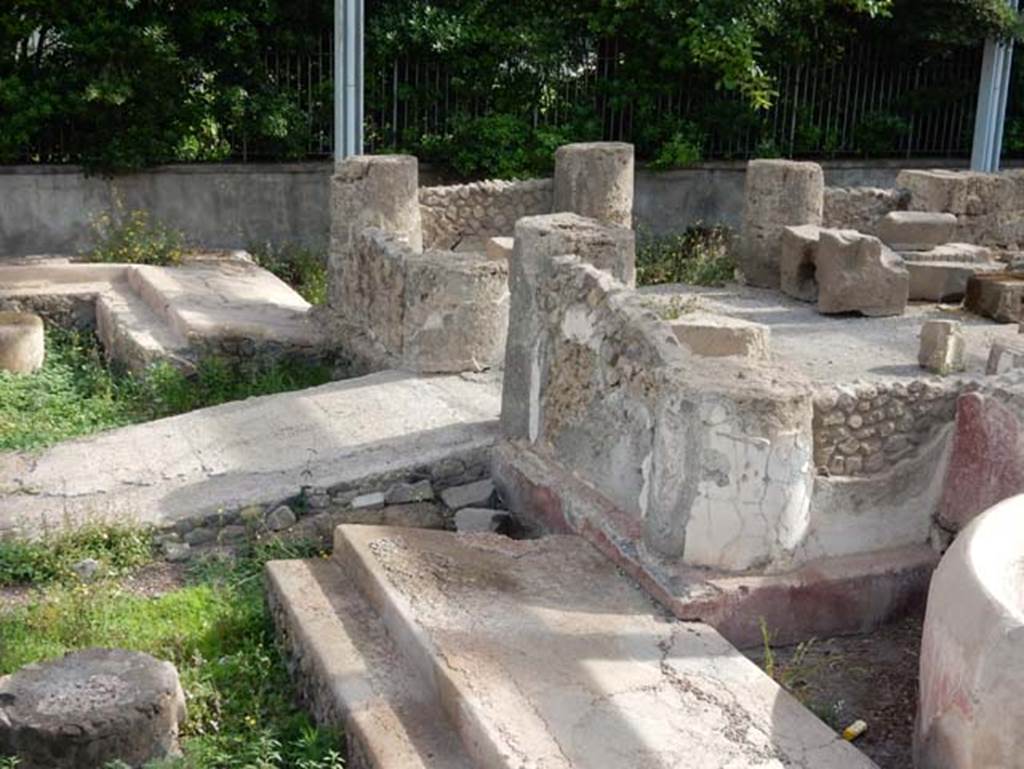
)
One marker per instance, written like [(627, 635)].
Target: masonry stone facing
[(455, 214), (779, 194)]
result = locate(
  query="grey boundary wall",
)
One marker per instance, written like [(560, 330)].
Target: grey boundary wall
[(48, 209)]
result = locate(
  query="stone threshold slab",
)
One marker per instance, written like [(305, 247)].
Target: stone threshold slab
[(351, 675), (827, 597), (542, 655)]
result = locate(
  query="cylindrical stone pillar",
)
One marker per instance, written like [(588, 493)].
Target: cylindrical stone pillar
[(22, 342), (779, 194), (595, 180), (91, 708), (379, 191)]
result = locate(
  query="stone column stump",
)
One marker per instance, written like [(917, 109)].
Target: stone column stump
[(90, 708), (22, 343), (380, 191), (779, 194), (595, 180)]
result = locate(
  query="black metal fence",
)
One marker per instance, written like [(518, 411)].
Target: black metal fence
[(865, 104)]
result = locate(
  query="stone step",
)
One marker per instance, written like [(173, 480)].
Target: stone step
[(135, 335), (226, 300), (351, 674), (945, 281), (916, 230), (951, 252), (541, 654)]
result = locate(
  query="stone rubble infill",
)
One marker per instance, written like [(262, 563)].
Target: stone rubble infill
[(535, 654), (477, 494), (324, 446)]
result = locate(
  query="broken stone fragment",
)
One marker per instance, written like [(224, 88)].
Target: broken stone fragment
[(858, 273), (500, 249), (477, 494), (374, 499), (942, 346), (404, 493), (476, 520), (281, 518), (176, 552), (91, 709), (797, 262), (717, 336)]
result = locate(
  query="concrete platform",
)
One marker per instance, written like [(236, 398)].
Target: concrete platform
[(258, 451), (837, 350), (541, 654), (146, 313)]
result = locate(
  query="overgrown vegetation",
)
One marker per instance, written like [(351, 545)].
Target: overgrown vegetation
[(217, 631), (700, 256), (302, 268), (117, 549), (77, 393), (135, 237)]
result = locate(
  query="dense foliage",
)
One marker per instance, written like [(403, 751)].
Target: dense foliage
[(119, 84)]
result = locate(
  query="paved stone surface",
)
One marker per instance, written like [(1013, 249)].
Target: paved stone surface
[(258, 451), (542, 655), (838, 349), (91, 708), (972, 649)]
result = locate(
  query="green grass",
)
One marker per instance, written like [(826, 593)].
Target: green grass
[(76, 393), (302, 268), (217, 631), (117, 548), (701, 256)]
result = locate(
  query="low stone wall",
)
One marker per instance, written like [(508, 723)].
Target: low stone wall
[(972, 694), (863, 430), (480, 210), (861, 208), (429, 312)]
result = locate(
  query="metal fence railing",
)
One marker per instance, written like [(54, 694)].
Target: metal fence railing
[(865, 103)]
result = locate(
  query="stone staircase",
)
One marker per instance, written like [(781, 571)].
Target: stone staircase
[(440, 650), (144, 313), (939, 267)]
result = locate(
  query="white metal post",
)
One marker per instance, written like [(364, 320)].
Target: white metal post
[(349, 60), (994, 89)]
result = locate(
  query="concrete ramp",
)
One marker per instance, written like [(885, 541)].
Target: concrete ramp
[(260, 451), (533, 654)]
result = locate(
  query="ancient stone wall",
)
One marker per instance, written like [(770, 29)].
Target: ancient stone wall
[(864, 430), (861, 208), (989, 207), (707, 460), (480, 210)]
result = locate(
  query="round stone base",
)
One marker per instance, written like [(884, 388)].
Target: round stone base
[(91, 708), (22, 343)]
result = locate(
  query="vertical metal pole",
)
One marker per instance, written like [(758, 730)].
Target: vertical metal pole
[(349, 59), (993, 92)]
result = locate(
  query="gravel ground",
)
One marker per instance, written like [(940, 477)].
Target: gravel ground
[(831, 348), (871, 677)]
